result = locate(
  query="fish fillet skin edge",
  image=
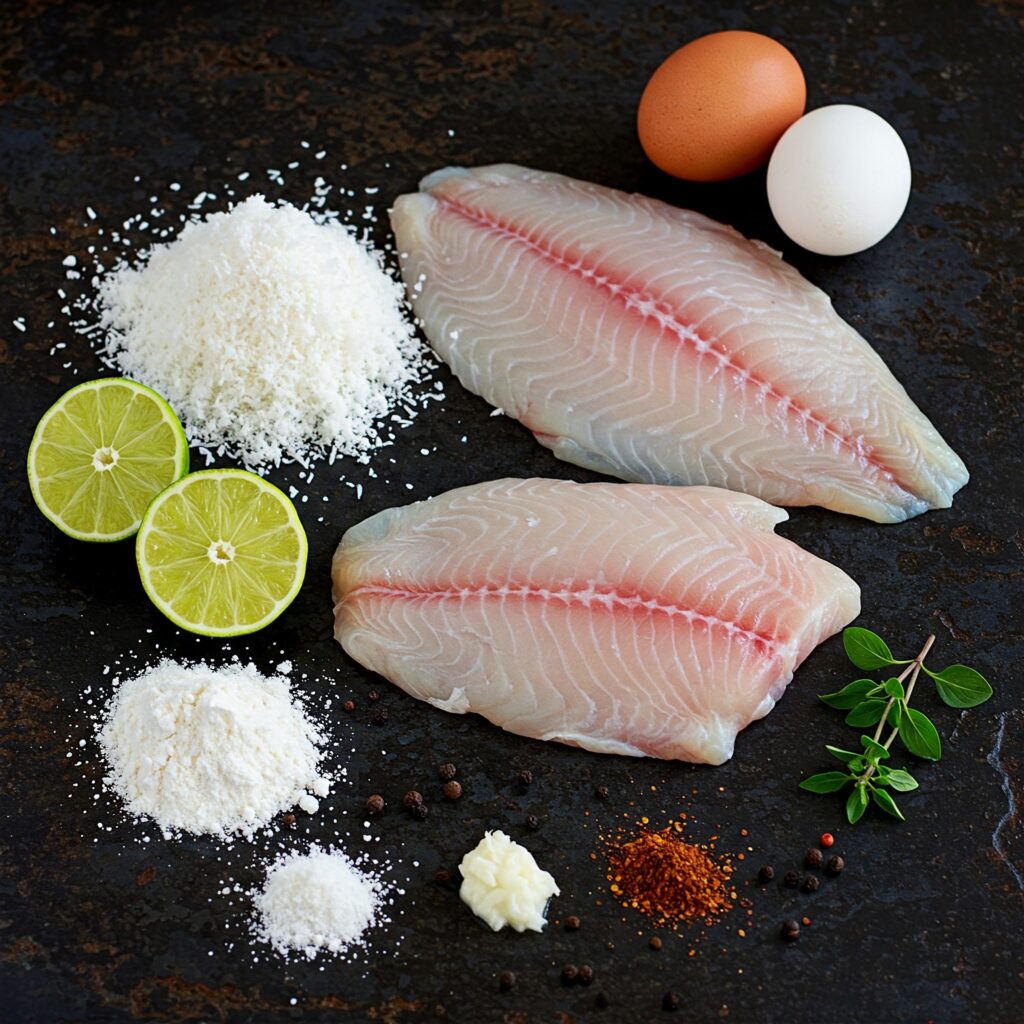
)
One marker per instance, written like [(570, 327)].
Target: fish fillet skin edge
[(623, 618), (655, 345)]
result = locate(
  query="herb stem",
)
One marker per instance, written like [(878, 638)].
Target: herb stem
[(913, 670), (903, 675)]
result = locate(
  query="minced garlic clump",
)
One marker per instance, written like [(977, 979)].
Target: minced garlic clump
[(502, 884)]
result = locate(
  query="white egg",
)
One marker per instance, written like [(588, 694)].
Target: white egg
[(839, 180)]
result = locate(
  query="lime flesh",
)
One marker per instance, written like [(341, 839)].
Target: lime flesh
[(221, 552), (100, 455)]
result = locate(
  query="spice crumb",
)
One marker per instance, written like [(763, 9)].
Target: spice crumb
[(805, 920), (532, 822), (572, 922), (349, 706)]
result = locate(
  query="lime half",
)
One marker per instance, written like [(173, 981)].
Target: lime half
[(221, 552), (100, 455)]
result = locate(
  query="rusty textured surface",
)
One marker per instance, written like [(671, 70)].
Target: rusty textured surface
[(927, 921)]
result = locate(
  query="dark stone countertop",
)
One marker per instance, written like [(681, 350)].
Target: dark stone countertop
[(104, 105)]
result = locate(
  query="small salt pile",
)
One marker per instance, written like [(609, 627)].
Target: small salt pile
[(210, 750), (317, 902)]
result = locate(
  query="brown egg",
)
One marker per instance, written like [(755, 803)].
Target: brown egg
[(718, 105)]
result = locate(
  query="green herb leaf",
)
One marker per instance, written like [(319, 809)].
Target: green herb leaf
[(895, 713), (894, 688), (826, 782), (867, 712), (866, 649), (873, 749), (840, 754), (887, 803), (919, 736), (850, 695), (856, 805), (901, 781), (961, 687)]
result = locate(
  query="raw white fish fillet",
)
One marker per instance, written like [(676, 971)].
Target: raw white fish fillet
[(653, 344), (623, 618)]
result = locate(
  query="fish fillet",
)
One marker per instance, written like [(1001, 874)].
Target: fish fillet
[(623, 618), (655, 345)]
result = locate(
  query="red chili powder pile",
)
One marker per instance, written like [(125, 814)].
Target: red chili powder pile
[(667, 878)]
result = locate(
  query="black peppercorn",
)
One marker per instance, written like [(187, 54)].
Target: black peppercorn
[(446, 771), (790, 930), (373, 695), (349, 706), (532, 822), (412, 799), (835, 865), (766, 874), (288, 821), (585, 975), (669, 1001), (792, 879), (569, 974), (380, 716), (572, 923), (526, 776), (374, 804), (654, 942), (443, 876), (601, 792), (811, 883), (452, 790), (420, 811), (506, 980), (813, 858), (601, 1001)]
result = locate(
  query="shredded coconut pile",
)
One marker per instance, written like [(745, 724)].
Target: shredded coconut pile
[(276, 337), (317, 902), (210, 750)]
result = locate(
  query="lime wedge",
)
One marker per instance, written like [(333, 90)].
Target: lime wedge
[(100, 455), (221, 552)]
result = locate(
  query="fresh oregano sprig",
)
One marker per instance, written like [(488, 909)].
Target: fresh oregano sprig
[(870, 702)]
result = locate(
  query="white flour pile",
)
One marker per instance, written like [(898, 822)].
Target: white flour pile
[(317, 902), (276, 337), (210, 750)]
